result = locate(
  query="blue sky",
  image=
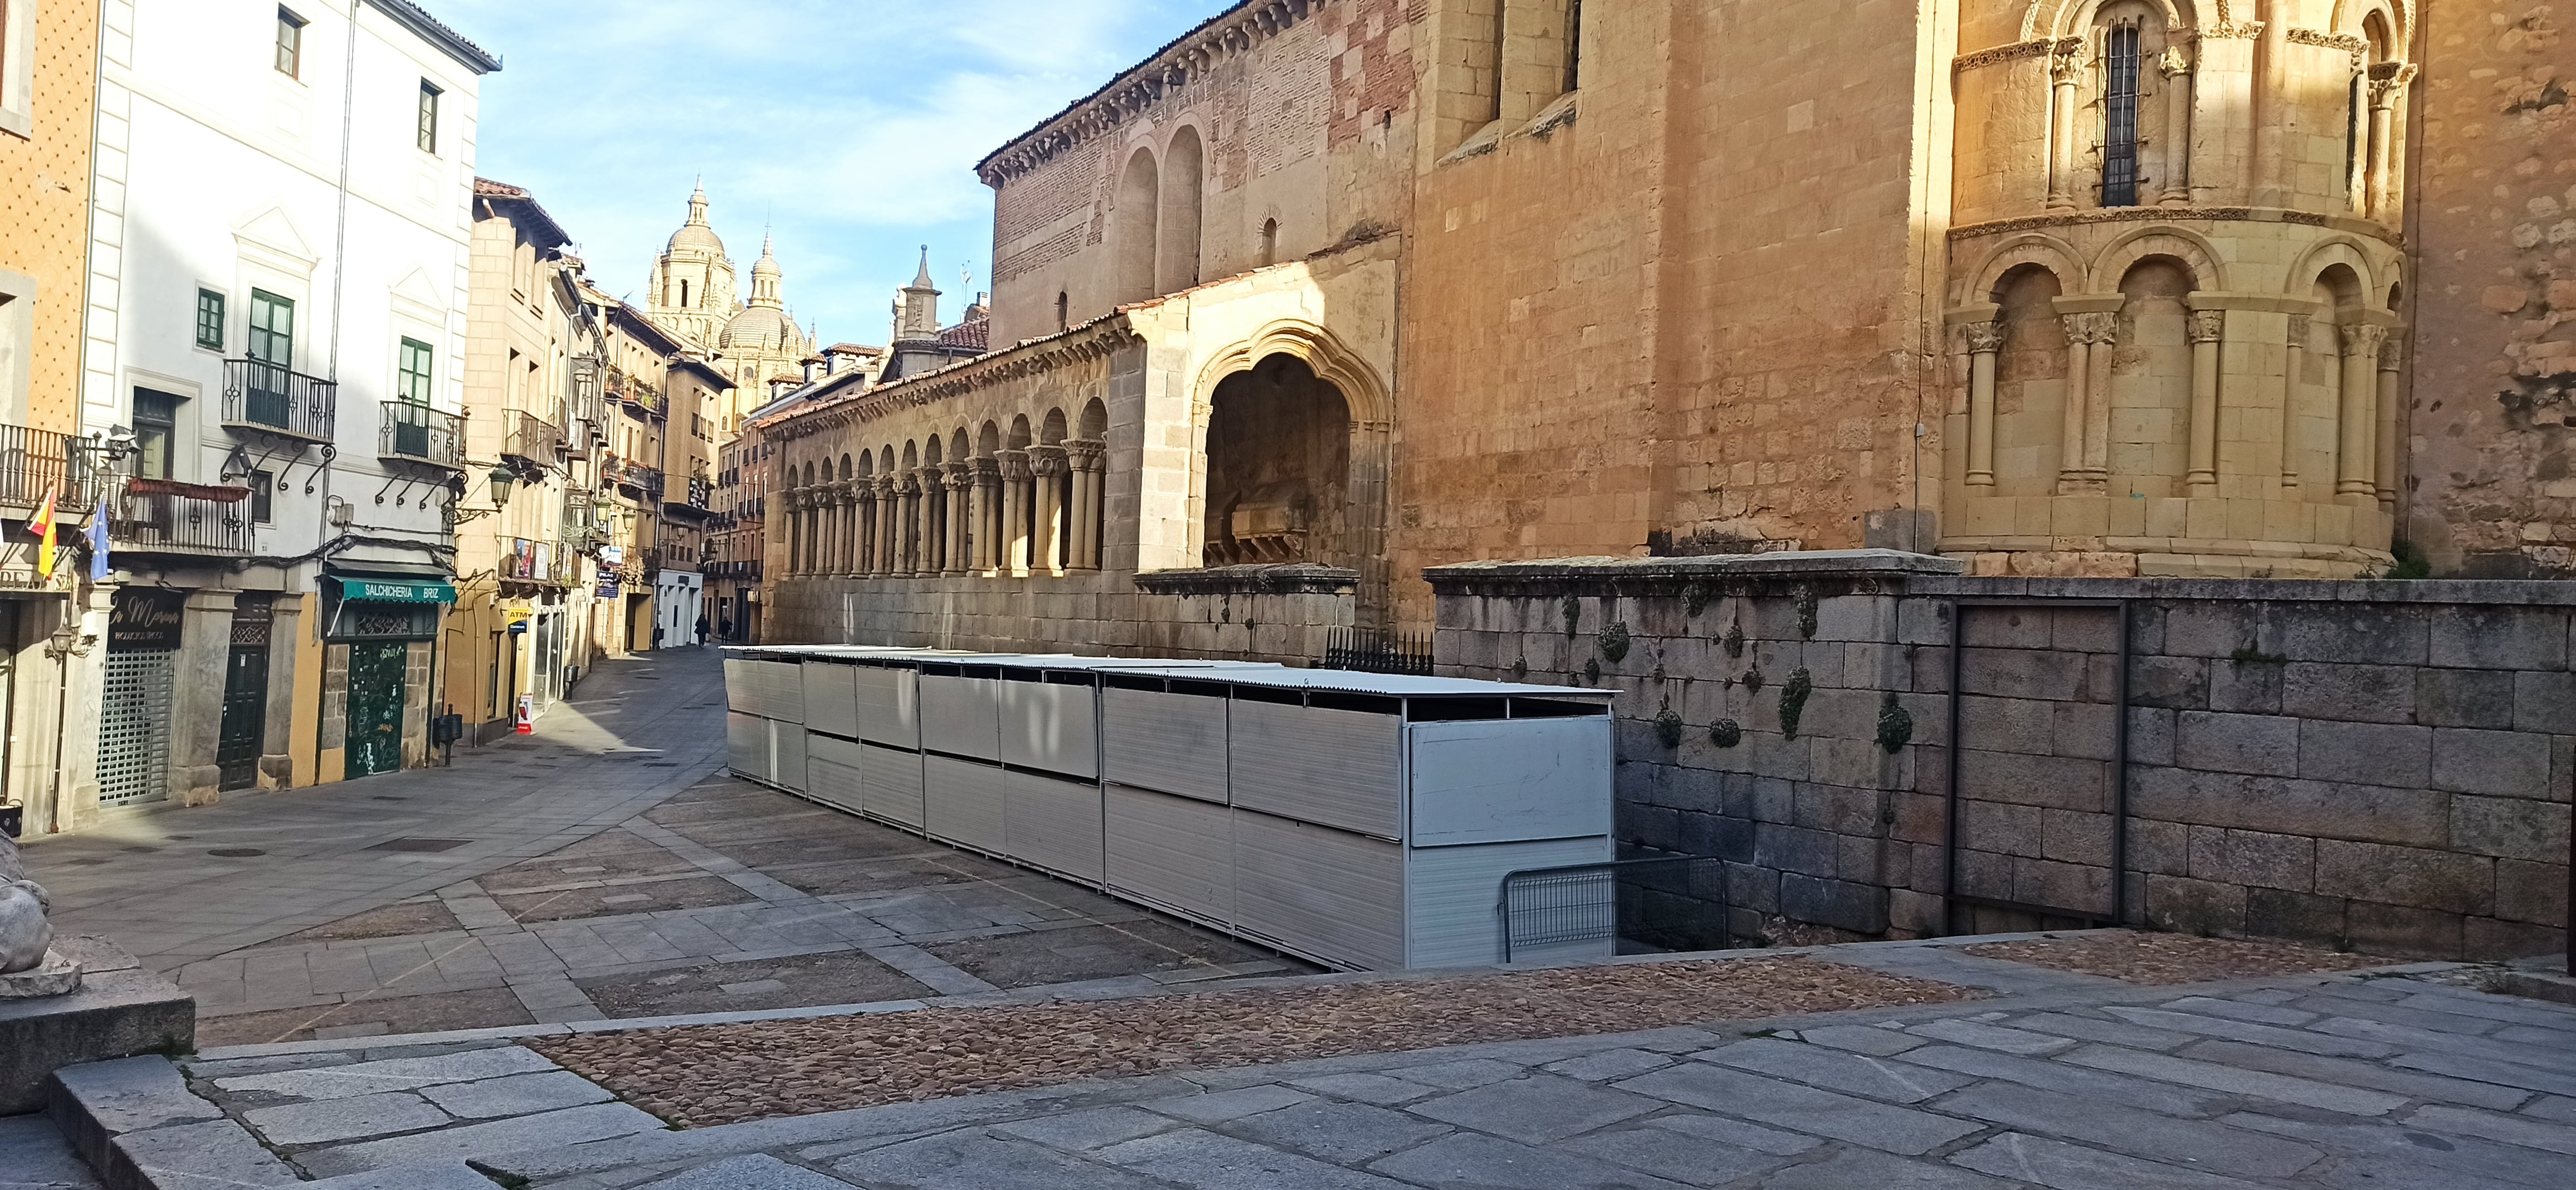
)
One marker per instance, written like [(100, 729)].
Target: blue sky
[(852, 125)]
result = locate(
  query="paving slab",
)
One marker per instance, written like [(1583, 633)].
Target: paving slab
[(1536, 1110), (438, 1175), (516, 1095), (1804, 1109), (215, 1154), (1209, 1161), (1342, 1133), (1834, 1070), (548, 1129), (759, 1171), (2235, 1081), (394, 1074), (34, 1156), (2062, 1166), (2193, 1144), (1097, 1128), (329, 1121), (976, 1161), (1861, 1169), (1216, 1107), (1469, 1161)]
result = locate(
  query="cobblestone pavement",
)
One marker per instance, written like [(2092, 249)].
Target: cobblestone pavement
[(2384, 1079), (601, 868)]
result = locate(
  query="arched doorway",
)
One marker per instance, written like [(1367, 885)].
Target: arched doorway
[(1279, 474)]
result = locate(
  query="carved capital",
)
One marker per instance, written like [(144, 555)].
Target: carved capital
[(1084, 454), (1015, 465), (2363, 339), (906, 484), (2097, 327), (2066, 62), (988, 472), (2208, 326), (1047, 461), (2300, 328), (2392, 355), (2174, 63), (888, 487), (958, 476), (1983, 338)]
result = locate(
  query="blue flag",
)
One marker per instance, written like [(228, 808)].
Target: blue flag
[(98, 543)]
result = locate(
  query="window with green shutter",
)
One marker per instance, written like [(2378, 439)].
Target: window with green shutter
[(210, 320)]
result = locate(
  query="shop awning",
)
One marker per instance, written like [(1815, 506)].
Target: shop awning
[(397, 591)]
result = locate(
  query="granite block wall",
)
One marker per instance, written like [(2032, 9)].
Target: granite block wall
[(2378, 765)]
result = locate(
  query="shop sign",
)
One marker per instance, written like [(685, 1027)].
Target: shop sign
[(392, 592), (612, 555), (146, 620), (607, 586)]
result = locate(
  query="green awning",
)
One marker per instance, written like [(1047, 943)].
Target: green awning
[(389, 591)]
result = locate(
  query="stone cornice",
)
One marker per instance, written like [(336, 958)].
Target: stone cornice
[(1292, 578), (2016, 52), (1090, 341), (1823, 571), (1146, 85), (2344, 223)]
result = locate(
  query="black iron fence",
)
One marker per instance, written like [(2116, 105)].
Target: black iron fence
[(1663, 903), (1368, 650), (35, 464), (421, 434), (157, 515), (259, 395), (533, 438)]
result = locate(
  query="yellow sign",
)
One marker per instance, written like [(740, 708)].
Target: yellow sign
[(517, 615)]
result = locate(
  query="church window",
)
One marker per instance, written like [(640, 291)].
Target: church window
[(426, 131), (2120, 117), (1269, 241), (1573, 44), (1063, 310), (684, 293), (290, 43)]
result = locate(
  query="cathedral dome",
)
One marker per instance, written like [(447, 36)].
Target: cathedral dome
[(756, 327), (696, 235)]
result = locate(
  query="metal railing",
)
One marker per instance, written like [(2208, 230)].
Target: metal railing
[(533, 438), (158, 516), (35, 464), (647, 480), (528, 561), (270, 398), (1368, 650), (422, 435), (1670, 903)]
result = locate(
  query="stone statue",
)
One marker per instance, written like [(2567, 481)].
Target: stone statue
[(27, 966)]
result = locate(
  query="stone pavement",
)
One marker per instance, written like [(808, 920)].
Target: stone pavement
[(2393, 1078), (589, 877)]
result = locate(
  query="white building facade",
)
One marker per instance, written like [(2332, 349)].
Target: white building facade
[(280, 256)]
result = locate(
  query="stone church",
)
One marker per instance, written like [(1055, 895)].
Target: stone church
[(694, 291), (1329, 291)]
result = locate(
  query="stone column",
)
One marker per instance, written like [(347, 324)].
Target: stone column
[(2082, 456), (907, 526), (1048, 464), (864, 544), (925, 542), (845, 529), (960, 479), (2208, 330), (2384, 93), (1985, 342), (794, 499), (2065, 70), (988, 514), (2178, 80), (881, 555), (1015, 511), (2296, 364), (2358, 456), (1086, 457), (196, 702), (2392, 368)]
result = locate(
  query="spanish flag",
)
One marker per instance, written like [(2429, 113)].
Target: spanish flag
[(42, 525)]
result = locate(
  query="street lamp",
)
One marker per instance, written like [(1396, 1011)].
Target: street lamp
[(502, 478)]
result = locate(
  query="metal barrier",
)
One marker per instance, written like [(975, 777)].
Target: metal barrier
[(1367, 650), (1675, 902)]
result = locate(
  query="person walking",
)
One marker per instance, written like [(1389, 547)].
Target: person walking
[(701, 637)]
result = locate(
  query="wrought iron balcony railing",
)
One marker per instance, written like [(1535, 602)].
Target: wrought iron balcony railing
[(420, 434), (160, 516), (35, 464), (647, 480), (533, 438), (548, 562), (267, 398)]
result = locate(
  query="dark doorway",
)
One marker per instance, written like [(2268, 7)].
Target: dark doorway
[(376, 672), (244, 736)]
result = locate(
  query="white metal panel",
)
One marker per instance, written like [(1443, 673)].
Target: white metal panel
[(741, 694), (1495, 781), (787, 756), (834, 773), (831, 698), (1051, 726), (747, 745), (1454, 895), (1053, 824), (1170, 743), (769, 689), (890, 784), (962, 802), (1175, 853), (1332, 767), (889, 705), (1333, 896), (962, 716)]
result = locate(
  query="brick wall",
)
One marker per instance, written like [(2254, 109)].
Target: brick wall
[(2383, 765)]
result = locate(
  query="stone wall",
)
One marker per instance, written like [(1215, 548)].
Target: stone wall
[(2382, 765), (1247, 613)]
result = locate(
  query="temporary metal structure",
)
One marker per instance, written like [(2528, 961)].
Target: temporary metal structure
[(1363, 821)]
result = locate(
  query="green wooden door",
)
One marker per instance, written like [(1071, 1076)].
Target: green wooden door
[(376, 707), (272, 351)]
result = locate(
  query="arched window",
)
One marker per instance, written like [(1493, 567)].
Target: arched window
[(1269, 241), (1184, 192), (1063, 310), (2120, 63), (684, 293), (1133, 238)]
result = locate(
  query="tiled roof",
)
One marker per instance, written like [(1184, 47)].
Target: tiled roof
[(975, 333), (434, 30)]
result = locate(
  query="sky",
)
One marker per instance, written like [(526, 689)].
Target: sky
[(851, 127)]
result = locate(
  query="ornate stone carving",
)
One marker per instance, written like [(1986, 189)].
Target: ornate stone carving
[(2066, 61), (2300, 329), (2208, 326), (1983, 337), (1084, 454), (2392, 355), (1015, 465), (1047, 461), (2363, 339), (2174, 63), (2096, 327), (2003, 53), (28, 966)]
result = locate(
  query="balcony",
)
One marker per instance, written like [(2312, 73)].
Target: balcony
[(533, 438), (646, 480), (158, 516), (35, 464), (265, 398), (542, 562), (419, 434), (697, 497)]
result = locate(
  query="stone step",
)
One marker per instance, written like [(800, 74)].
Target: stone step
[(140, 1128)]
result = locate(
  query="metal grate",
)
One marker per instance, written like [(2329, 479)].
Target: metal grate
[(1367, 650), (418, 845), (133, 736), (1675, 903)]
